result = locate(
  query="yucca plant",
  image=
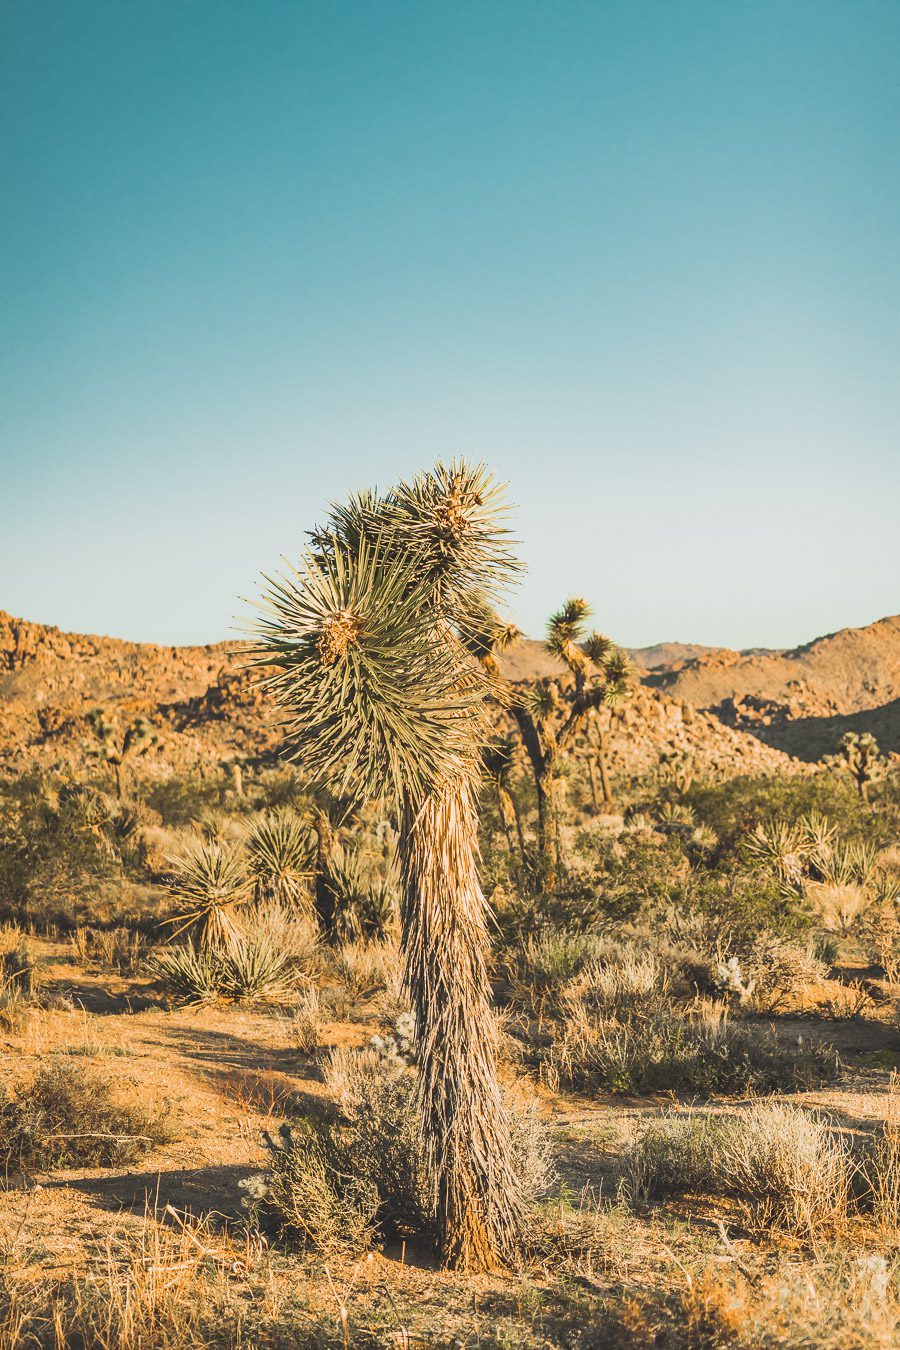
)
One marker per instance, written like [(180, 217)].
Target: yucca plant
[(280, 850), (384, 699), (210, 882)]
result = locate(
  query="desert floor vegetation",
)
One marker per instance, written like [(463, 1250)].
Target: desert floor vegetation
[(209, 1086)]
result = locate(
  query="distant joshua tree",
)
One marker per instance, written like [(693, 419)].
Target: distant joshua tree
[(371, 641), (114, 745), (859, 754), (552, 714), (498, 758)]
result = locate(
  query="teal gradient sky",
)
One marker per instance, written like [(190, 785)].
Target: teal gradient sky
[(642, 257)]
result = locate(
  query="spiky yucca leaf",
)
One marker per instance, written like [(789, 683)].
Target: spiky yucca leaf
[(209, 880), (618, 675), (599, 648), (449, 519), (566, 626), (192, 974), (544, 698), (250, 969), (280, 851), (381, 700)]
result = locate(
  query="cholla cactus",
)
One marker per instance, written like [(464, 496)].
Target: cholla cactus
[(859, 754), (371, 642), (730, 982), (398, 1047)]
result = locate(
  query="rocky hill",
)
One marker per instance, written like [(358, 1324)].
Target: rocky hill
[(800, 701), (730, 712)]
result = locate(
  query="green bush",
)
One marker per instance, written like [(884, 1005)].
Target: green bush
[(248, 969), (69, 1116)]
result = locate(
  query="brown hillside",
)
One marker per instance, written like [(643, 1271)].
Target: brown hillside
[(206, 712), (803, 700)]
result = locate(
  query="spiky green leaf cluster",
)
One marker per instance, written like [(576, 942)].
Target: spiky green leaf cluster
[(209, 880), (368, 637), (280, 849), (566, 627)]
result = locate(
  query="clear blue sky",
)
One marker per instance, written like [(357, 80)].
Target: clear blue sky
[(642, 257)]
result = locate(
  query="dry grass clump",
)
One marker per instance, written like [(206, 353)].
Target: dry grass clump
[(172, 1284), (71, 1116), (369, 967), (786, 1167), (119, 948), (18, 979), (546, 963), (303, 1022), (839, 1300)]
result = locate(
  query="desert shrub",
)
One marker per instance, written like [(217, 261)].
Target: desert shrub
[(612, 1038), (309, 1193), (70, 1116), (56, 857), (338, 1180), (788, 1168), (735, 807), (779, 967), (249, 969), (545, 963), (380, 1123)]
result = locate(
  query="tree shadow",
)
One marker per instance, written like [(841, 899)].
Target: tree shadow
[(201, 1191)]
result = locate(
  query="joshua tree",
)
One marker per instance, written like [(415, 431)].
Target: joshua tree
[(116, 746), (550, 717), (858, 752), (371, 644)]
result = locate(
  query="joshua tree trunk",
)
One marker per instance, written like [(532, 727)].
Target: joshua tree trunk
[(464, 1121), (510, 818), (592, 776), (117, 765), (604, 771), (323, 893)]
